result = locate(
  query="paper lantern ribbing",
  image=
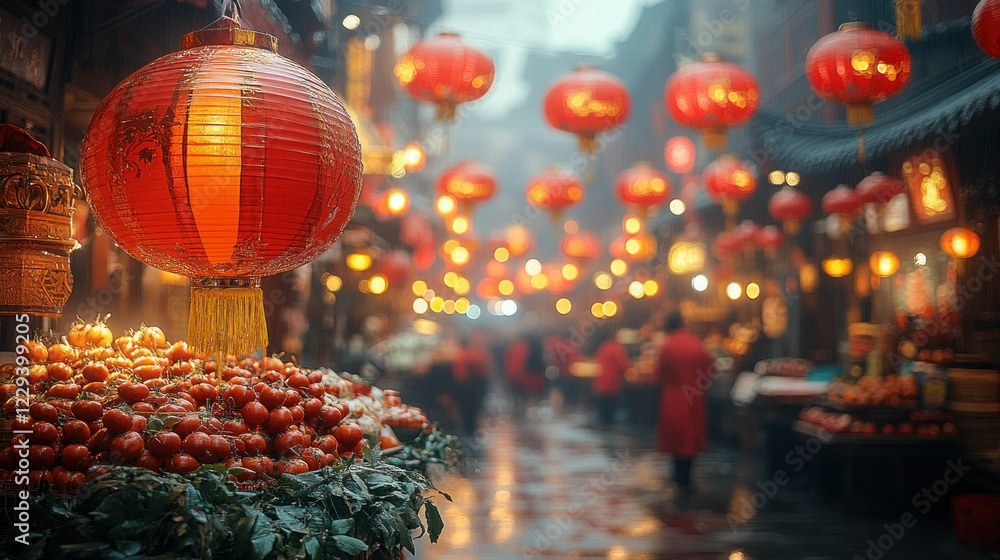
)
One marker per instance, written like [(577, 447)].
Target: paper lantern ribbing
[(586, 103), (711, 95), (642, 188), (554, 190), (445, 71), (986, 27), (223, 162)]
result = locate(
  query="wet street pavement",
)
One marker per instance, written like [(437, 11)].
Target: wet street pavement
[(546, 485)]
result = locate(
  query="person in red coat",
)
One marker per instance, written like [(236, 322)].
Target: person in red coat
[(683, 369), (612, 362)]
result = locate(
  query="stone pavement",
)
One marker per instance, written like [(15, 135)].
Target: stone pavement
[(545, 486)]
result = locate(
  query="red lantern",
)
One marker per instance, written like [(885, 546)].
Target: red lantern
[(555, 190), (581, 246), (790, 206), (769, 239), (729, 180), (518, 241), (680, 154), (396, 267), (725, 245), (960, 242), (642, 188), (424, 257), (986, 27), (844, 203), (446, 71), (556, 282), (586, 103), (878, 189), (712, 96), (745, 235), (468, 182), (860, 67), (224, 162)]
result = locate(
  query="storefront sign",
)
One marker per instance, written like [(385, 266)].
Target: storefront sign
[(927, 179), (25, 55)]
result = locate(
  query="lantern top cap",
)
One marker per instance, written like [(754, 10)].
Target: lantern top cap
[(586, 68), (449, 33), (226, 31), (710, 57), (854, 26)]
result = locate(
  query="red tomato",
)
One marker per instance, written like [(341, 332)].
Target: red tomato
[(172, 408), (238, 396), (292, 398), (68, 391), (146, 460), (95, 371), (117, 421), (298, 413), (272, 397), (262, 466), (186, 425), (126, 447), (96, 387), (143, 406), (203, 392), (43, 412), (59, 371), (182, 463), (291, 441), (199, 446), (39, 477), (253, 444), (330, 416), (76, 457), (292, 466), (44, 433), (164, 444), (88, 410), (147, 372), (311, 408), (75, 431), (133, 392), (298, 381), (317, 390), (279, 420), (314, 457), (315, 377), (328, 444), (210, 426), (348, 434), (345, 409), (179, 351), (139, 423), (41, 456), (243, 475)]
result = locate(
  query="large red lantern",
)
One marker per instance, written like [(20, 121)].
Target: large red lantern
[(878, 189), (223, 162), (729, 180), (986, 27), (554, 190), (711, 95), (860, 67), (641, 188), (725, 245), (581, 246), (745, 236), (790, 206), (586, 103), (769, 239), (445, 71), (679, 154), (469, 183), (844, 203)]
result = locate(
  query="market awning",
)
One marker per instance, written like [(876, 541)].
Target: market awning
[(938, 110)]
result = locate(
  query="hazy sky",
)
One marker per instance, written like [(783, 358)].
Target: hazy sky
[(509, 29)]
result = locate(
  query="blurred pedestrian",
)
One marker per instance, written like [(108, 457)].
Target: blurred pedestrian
[(683, 369), (473, 368), (612, 362)]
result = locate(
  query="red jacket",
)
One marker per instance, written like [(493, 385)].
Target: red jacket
[(473, 361), (612, 361), (685, 371)]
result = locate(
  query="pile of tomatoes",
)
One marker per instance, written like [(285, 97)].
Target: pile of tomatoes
[(138, 400)]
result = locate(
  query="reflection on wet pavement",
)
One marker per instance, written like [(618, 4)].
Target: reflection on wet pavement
[(546, 486)]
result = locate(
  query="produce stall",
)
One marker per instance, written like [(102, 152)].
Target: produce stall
[(139, 446)]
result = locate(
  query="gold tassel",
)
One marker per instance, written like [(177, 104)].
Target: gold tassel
[(227, 321), (908, 19)]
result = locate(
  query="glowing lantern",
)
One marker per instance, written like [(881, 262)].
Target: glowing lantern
[(838, 267), (184, 159), (685, 257), (518, 240), (878, 189), (586, 103), (790, 206), (468, 182), (844, 203), (642, 188), (883, 263), (960, 242), (358, 262), (711, 95), (986, 27), (445, 71), (745, 235), (395, 202), (634, 248), (725, 246), (554, 190), (414, 157), (860, 67), (770, 239), (679, 154), (728, 180), (581, 246)]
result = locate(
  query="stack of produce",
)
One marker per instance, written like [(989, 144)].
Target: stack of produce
[(918, 422), (890, 390)]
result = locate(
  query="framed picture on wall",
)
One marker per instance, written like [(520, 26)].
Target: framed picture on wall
[(25, 52), (929, 179)]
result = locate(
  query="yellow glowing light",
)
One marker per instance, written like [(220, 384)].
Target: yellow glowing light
[(632, 246), (539, 281), (449, 246), (677, 207), (448, 307), (363, 286), (563, 306), (505, 287), (533, 267), (334, 283), (351, 22), (609, 308), (462, 286), (461, 305), (570, 272), (603, 281), (419, 287), (635, 289), (358, 262), (632, 225), (437, 304), (597, 310), (460, 225), (420, 306), (571, 227), (501, 254), (700, 283), (792, 178), (734, 291), (753, 290), (428, 294), (836, 267), (808, 277), (445, 205), (378, 284), (460, 255), (413, 157), (685, 257), (650, 288), (450, 278), (883, 264), (397, 201), (329, 298), (619, 267), (960, 242), (776, 177)]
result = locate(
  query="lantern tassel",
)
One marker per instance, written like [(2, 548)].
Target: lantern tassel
[(227, 321), (862, 158), (908, 19)]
